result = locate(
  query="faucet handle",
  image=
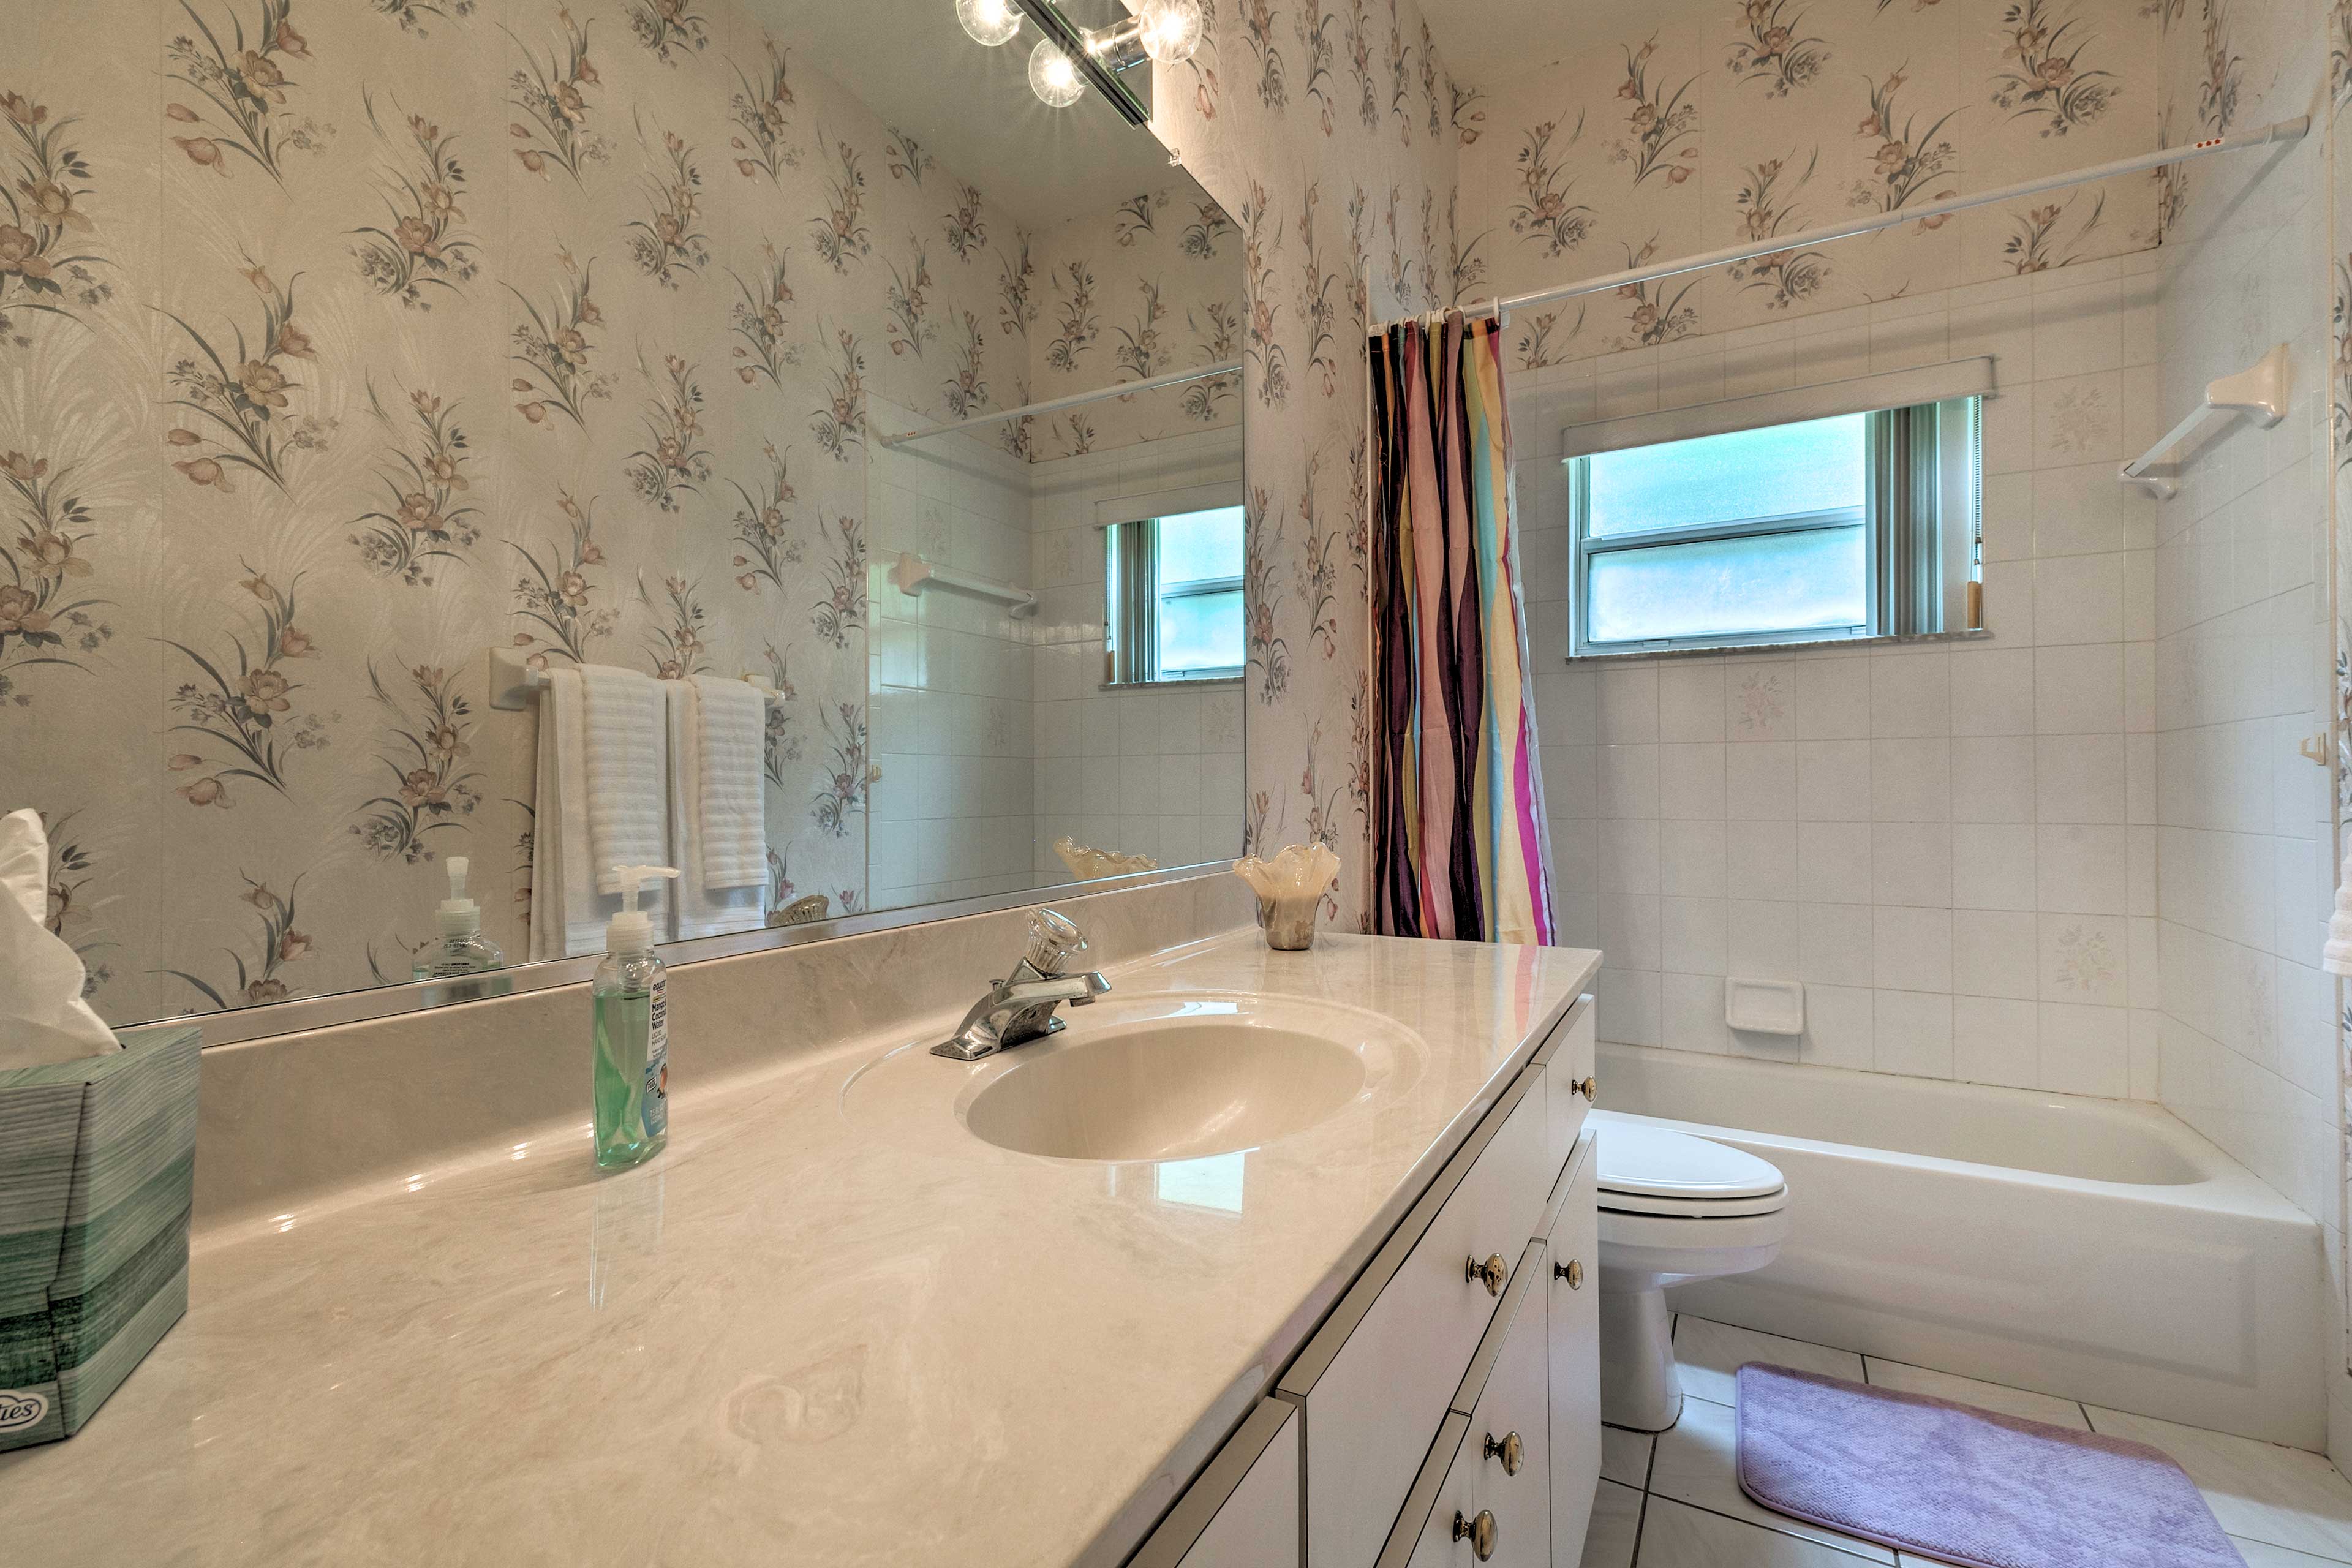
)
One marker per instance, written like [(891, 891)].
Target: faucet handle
[(1053, 936)]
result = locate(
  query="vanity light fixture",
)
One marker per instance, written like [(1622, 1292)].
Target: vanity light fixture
[(990, 22), (1071, 58), (1164, 31), (1054, 76)]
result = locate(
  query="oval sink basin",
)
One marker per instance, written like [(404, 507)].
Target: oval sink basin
[(1140, 1077), (1175, 1088)]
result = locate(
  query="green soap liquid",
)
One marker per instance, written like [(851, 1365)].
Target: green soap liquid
[(623, 1020)]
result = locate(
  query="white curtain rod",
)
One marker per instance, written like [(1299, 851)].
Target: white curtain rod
[(2262, 136), (1124, 389)]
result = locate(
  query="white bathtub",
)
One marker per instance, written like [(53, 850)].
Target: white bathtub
[(2094, 1249)]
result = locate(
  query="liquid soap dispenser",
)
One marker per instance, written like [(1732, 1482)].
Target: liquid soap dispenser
[(632, 1022), (461, 948)]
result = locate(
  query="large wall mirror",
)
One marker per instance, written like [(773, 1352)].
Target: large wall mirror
[(375, 378)]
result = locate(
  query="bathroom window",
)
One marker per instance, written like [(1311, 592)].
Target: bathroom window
[(1855, 525), (1172, 597)]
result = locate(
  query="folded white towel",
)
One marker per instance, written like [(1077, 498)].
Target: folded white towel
[(703, 909), (730, 747), (560, 903), (601, 799), (2337, 958), (627, 742)]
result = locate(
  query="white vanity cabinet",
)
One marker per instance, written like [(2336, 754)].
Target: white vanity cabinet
[(1242, 1510), (1486, 1487), (1377, 1379), (1447, 1412), (1572, 1275)]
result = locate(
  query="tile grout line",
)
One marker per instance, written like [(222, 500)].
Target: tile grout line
[(1774, 1530)]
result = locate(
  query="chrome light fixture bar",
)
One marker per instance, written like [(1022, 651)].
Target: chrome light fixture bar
[(1073, 42)]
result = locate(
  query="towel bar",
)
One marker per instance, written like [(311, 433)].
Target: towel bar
[(514, 679), (2258, 392)]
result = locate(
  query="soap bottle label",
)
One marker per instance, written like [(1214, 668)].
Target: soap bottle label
[(657, 1095)]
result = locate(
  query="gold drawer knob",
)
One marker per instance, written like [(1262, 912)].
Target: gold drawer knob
[(1587, 1088), (1479, 1532), (1510, 1450), (1572, 1272), (1491, 1273)]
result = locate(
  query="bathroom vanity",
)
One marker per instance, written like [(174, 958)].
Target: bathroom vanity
[(843, 1319)]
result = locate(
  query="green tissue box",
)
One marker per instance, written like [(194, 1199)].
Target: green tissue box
[(98, 1161)]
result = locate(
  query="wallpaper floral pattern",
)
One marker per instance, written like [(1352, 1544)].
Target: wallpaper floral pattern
[(1320, 128), (337, 343), (1779, 116)]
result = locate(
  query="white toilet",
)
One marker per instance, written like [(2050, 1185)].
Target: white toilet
[(1672, 1207)]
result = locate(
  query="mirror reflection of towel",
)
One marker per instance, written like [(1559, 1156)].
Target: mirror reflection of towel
[(601, 799), (697, 823), (731, 740)]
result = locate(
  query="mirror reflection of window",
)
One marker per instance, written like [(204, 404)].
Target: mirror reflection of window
[(1174, 598)]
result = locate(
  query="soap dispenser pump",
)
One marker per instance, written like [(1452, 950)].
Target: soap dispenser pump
[(461, 948), (631, 1029)]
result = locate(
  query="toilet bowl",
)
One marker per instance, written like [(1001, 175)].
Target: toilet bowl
[(1672, 1207)]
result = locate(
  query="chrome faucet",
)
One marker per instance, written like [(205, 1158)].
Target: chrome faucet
[(1020, 1007)]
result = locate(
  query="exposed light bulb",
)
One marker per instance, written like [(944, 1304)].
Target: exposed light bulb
[(1171, 29), (1054, 76), (990, 22)]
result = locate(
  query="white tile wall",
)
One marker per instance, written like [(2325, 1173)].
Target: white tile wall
[(991, 731), (1953, 845), (952, 681), (2242, 674), (1151, 772)]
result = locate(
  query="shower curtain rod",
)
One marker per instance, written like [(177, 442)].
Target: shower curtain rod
[(1124, 389), (2262, 136)]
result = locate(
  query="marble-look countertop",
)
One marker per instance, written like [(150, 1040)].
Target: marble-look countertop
[(790, 1339)]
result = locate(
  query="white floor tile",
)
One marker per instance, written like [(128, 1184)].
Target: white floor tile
[(1673, 1536), (2263, 1554), (1616, 1525), (1697, 1464), (1709, 1353), (2047, 1408), (2281, 1497), (1625, 1455)]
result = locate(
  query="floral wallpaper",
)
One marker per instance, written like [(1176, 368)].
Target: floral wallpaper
[(1321, 129), (1151, 287), (340, 342), (1772, 117)]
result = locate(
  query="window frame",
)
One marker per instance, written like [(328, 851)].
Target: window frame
[(1200, 587), (1954, 558), (1155, 507)]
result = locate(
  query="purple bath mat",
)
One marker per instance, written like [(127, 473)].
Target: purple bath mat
[(1964, 1485)]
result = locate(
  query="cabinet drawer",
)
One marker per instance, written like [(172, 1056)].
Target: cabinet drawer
[(1566, 1057), (1447, 1489), (1504, 1399), (1242, 1511), (1572, 1276), (1380, 1375)]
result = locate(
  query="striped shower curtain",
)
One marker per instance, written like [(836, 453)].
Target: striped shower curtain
[(1460, 846)]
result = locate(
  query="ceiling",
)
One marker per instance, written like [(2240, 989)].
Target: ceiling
[(910, 62), (1484, 41)]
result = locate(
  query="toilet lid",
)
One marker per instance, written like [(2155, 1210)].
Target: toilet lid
[(1659, 1162)]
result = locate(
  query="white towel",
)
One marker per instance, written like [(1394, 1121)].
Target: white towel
[(703, 909), (601, 799), (730, 745), (2337, 957), (626, 742)]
